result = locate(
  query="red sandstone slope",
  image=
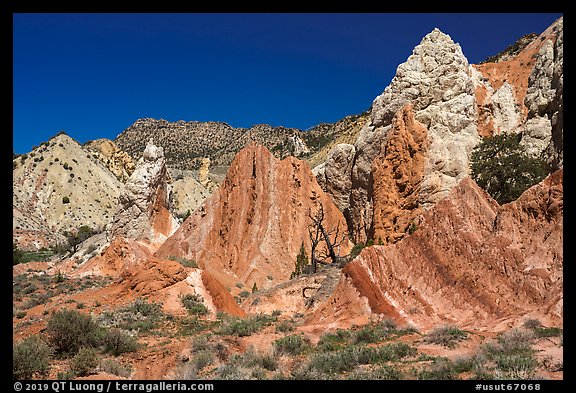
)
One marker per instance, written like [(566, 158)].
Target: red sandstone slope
[(470, 262), (515, 71), (250, 230)]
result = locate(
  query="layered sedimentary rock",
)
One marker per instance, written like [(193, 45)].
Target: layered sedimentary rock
[(143, 211), (523, 94), (543, 132), (251, 228), (437, 81), (470, 262), (398, 172), (117, 161), (334, 175), (59, 186), (519, 92)]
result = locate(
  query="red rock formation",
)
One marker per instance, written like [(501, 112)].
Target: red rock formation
[(250, 230), (143, 211), (470, 262), (221, 298), (515, 71), (398, 171)]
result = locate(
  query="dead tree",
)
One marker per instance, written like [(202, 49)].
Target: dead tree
[(331, 237)]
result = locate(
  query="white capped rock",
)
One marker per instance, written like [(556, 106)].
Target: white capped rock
[(437, 80), (143, 211)]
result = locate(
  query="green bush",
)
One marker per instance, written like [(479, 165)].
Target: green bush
[(285, 326), (359, 247), (374, 332), (65, 199), (330, 342), (183, 261), (512, 354), (446, 336), (441, 369), (302, 262), (139, 316), (191, 326), (194, 304), (69, 330), (242, 327), (332, 362), (381, 373), (84, 362), (112, 366), (30, 356), (292, 345), (500, 166), (117, 342)]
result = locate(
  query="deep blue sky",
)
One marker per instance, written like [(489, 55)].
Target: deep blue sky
[(93, 75)]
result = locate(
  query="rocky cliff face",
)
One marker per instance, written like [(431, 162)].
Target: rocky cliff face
[(437, 81), (542, 134), (117, 161), (470, 262), (187, 143), (144, 211), (523, 94), (398, 172), (57, 187), (251, 228), (457, 104)]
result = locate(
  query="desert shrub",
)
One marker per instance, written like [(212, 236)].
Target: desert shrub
[(512, 342), (30, 356), (332, 362), (446, 336), (374, 332), (291, 345), (500, 166), (200, 343), (247, 365), (84, 362), (194, 304), (440, 369), (367, 334), (330, 342), (65, 199), (302, 262), (532, 324), (285, 326), (512, 355), (346, 359), (242, 327), (382, 373), (183, 261), (233, 372), (191, 326), (543, 332), (69, 330), (202, 359), (116, 342), (266, 361), (138, 316), (20, 314), (112, 366), (396, 351)]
